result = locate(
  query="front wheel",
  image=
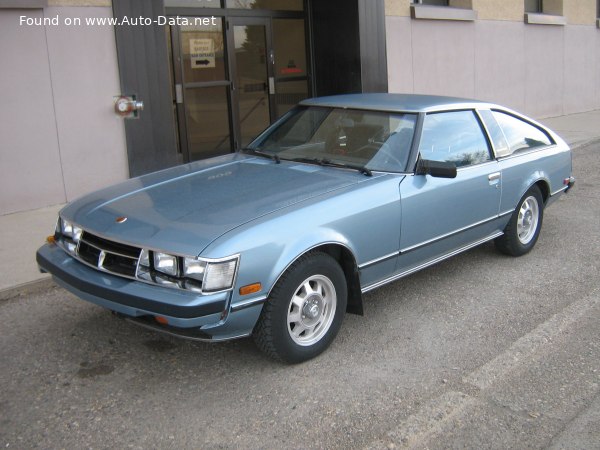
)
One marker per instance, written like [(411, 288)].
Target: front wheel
[(304, 311), (523, 229)]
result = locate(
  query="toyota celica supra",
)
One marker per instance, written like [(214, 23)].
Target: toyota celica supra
[(340, 196)]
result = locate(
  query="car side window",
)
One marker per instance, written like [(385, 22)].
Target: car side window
[(495, 132), (520, 135), (455, 137)]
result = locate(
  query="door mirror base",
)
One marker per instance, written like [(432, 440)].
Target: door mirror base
[(438, 169)]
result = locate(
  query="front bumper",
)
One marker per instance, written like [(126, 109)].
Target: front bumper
[(210, 315)]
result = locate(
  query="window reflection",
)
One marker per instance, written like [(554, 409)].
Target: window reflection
[(290, 63), (520, 135), (454, 137), (207, 122), (252, 81), (282, 5)]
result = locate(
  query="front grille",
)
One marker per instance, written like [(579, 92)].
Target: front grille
[(108, 255)]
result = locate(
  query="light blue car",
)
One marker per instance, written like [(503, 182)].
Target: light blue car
[(340, 196)]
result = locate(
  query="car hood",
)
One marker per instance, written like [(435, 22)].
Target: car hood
[(183, 209)]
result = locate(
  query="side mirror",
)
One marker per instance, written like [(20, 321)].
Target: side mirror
[(439, 169)]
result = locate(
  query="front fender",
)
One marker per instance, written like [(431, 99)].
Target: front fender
[(364, 219)]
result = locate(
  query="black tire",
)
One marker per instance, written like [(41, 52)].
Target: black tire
[(519, 237), (283, 337)]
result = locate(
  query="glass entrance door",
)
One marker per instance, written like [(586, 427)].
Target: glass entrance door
[(252, 61), (232, 78), (201, 89)]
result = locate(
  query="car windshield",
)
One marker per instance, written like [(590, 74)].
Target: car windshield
[(372, 140)]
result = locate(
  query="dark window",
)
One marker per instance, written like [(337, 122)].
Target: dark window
[(534, 6), (430, 2), (454, 137), (287, 5), (520, 135)]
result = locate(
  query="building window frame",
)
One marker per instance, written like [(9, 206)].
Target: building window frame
[(440, 10), (539, 7), (545, 16), (430, 2)]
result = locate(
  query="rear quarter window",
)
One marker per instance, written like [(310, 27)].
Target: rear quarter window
[(520, 135)]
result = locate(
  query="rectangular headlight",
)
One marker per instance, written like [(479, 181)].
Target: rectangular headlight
[(66, 228), (194, 268), (165, 263), (145, 258), (219, 276), (77, 232), (69, 230)]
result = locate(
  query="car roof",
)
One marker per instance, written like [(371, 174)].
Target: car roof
[(396, 102)]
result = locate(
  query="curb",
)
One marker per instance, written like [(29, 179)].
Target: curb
[(31, 287)]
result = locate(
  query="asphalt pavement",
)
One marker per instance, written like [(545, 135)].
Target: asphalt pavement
[(480, 351)]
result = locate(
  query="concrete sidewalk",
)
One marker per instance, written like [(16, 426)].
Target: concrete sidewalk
[(22, 233)]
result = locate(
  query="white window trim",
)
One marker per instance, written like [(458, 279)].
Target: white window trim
[(432, 12), (544, 19)]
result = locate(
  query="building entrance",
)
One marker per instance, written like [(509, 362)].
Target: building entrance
[(232, 77), (211, 83)]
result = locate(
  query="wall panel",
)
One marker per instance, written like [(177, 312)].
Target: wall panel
[(83, 62), (30, 172)]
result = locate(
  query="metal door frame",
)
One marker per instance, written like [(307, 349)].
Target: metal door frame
[(180, 88), (270, 65), (142, 52)]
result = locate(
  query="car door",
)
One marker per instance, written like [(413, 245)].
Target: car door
[(441, 216)]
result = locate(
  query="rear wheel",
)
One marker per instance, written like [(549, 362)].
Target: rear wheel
[(523, 229), (304, 311)]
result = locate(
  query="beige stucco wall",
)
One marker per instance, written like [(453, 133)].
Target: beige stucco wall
[(397, 8), (580, 12), (486, 9), (499, 9)]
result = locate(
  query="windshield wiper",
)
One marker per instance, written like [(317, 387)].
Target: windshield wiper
[(327, 162), (272, 156), (361, 169)]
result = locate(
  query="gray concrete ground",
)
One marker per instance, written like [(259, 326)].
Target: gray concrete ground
[(481, 351), (576, 128)]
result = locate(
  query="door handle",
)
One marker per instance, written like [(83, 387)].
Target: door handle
[(494, 176), (178, 93), (272, 85)]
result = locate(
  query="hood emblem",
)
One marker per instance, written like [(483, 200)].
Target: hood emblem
[(121, 219)]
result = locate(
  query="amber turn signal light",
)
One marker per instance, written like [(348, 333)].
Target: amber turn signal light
[(161, 320), (250, 289), (51, 240)]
